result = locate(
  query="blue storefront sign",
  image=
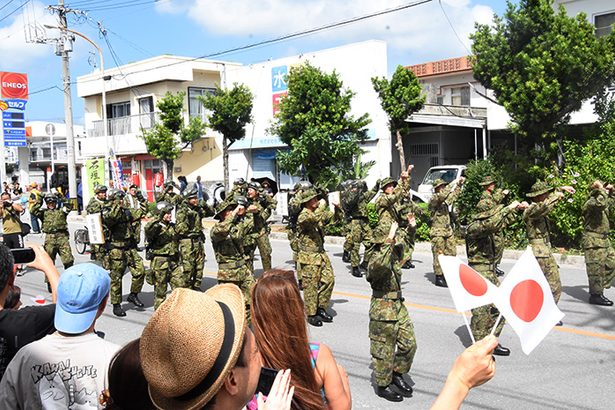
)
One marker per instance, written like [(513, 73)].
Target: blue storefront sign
[(278, 78)]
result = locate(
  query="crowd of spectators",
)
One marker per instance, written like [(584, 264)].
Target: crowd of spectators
[(197, 350)]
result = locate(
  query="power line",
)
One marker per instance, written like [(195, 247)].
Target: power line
[(7, 4), (15, 11), (123, 5), (453, 28)]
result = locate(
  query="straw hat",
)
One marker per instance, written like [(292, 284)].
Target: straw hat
[(190, 344)]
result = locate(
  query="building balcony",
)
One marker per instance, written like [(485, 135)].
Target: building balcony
[(43, 154)]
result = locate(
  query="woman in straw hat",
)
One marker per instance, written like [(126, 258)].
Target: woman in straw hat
[(278, 317)]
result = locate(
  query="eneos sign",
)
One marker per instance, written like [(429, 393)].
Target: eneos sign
[(14, 85)]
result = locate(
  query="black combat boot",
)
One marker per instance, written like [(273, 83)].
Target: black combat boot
[(324, 316), (501, 351), (363, 265), (599, 299), (346, 257), (388, 394), (408, 265), (499, 272), (441, 281), (356, 272), (403, 387), (118, 311), (134, 299), (314, 321)]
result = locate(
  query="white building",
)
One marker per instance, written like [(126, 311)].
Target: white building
[(356, 64)]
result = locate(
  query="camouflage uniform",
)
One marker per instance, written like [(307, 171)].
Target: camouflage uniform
[(359, 226), (227, 238), (135, 205), (313, 262), (441, 232), (100, 252), (537, 228), (189, 227), (489, 200), (162, 243), (599, 253), (407, 231), (391, 332), (122, 254), (55, 229), (482, 253), (259, 235), (168, 195)]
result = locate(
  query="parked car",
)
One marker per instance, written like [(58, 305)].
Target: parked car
[(448, 173)]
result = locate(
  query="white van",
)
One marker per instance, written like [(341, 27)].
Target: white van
[(448, 173)]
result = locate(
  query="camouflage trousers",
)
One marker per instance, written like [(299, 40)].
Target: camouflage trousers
[(354, 238), (367, 243), (600, 264), (119, 260), (498, 239), (392, 341), (166, 270), (407, 236), (318, 280), (551, 271), (442, 245), (264, 249), (241, 277), (58, 243), (100, 253), (192, 256), (484, 317)]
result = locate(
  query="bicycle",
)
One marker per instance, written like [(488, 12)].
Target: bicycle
[(82, 240)]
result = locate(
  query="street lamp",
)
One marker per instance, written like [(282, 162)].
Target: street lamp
[(103, 78)]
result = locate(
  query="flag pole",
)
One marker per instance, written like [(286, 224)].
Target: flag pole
[(497, 322), (465, 319)]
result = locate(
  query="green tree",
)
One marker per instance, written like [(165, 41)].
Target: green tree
[(315, 122), (231, 110), (400, 98), (541, 65), (165, 139)]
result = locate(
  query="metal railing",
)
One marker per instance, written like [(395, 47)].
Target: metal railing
[(124, 125)]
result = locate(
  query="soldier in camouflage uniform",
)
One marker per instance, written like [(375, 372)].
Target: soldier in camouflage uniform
[(294, 209), (227, 238), (537, 228), (169, 195), (490, 198), (240, 188), (599, 253), (482, 254), (162, 245), (55, 229), (122, 254), (189, 227), (313, 263), (408, 212), (99, 252), (348, 195), (133, 201), (260, 207), (441, 232), (391, 332)]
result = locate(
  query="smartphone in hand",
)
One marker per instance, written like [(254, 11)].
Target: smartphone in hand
[(265, 381), (23, 255)]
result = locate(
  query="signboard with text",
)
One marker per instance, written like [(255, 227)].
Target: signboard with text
[(14, 91)]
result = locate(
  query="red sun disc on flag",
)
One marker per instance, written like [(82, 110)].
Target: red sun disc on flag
[(526, 300), (471, 280)]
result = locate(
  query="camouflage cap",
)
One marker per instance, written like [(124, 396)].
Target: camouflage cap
[(306, 195), (539, 188), (100, 188), (487, 180), (387, 181), (439, 182), (224, 205)]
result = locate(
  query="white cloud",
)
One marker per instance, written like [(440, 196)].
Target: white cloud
[(419, 32), (18, 54)]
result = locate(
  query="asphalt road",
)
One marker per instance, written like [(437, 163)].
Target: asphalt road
[(573, 368)]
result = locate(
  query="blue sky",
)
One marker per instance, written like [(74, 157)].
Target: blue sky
[(138, 29)]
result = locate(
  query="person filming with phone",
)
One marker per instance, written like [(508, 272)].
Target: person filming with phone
[(11, 223)]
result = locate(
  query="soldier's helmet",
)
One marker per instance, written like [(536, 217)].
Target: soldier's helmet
[(539, 188), (116, 194), (163, 207), (239, 181), (387, 181), (488, 180), (438, 183), (50, 198), (169, 185), (100, 188), (303, 185), (255, 185), (362, 185), (190, 193)]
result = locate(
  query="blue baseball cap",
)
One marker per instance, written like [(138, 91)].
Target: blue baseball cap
[(81, 290)]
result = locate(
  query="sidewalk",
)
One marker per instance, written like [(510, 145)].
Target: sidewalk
[(278, 232)]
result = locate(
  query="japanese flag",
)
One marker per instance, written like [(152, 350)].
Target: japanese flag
[(468, 288), (525, 300)]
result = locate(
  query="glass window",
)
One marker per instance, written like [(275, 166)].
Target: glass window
[(117, 110), (460, 96), (604, 24), (195, 107)]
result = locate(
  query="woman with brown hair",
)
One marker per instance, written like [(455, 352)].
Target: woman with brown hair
[(278, 318)]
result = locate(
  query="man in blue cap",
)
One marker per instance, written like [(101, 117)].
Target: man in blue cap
[(68, 368)]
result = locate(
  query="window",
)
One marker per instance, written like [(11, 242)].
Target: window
[(195, 106), (146, 112), (604, 24), (117, 110), (460, 96)]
